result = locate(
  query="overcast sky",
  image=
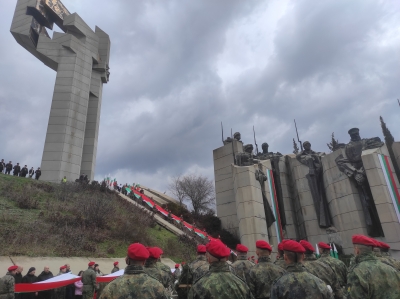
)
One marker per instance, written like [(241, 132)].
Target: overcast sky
[(179, 68)]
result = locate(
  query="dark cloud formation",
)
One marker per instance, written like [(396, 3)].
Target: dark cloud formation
[(180, 68)]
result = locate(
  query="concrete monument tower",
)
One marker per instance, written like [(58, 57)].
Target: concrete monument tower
[(80, 56)]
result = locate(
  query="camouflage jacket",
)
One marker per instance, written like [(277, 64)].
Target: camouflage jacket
[(262, 276), (280, 262), (337, 265), (7, 283), (89, 279), (297, 283), (220, 283), (242, 267), (370, 279), (387, 259), (134, 284), (199, 267), (167, 270), (325, 273), (150, 268)]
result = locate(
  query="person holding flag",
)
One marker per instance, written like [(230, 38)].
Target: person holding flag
[(337, 265)]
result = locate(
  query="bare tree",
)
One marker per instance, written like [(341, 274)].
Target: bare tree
[(176, 189), (333, 145), (196, 189), (295, 148)]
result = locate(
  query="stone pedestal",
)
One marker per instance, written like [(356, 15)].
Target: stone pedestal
[(224, 194)]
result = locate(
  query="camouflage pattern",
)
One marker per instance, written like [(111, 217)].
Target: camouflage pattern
[(220, 283), (325, 273), (168, 272), (370, 279), (134, 284), (7, 283), (89, 283), (190, 274), (385, 258), (338, 267), (297, 283), (280, 262), (262, 276), (151, 269), (115, 269), (242, 267)]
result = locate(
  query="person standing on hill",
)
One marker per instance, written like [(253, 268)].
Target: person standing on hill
[(24, 171), (31, 172), (2, 165), (38, 173), (17, 169), (30, 277), (9, 167), (89, 282), (45, 275), (7, 283)]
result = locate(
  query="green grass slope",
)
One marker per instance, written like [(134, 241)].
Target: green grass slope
[(44, 219)]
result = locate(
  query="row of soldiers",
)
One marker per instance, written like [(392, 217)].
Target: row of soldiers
[(18, 171)]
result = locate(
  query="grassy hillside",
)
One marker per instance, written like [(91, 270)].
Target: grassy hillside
[(44, 219)]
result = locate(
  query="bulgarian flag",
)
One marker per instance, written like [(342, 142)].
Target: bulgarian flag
[(335, 252), (317, 251), (52, 283), (110, 277)]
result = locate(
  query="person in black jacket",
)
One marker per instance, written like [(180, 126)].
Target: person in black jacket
[(24, 171), (9, 167), (18, 279), (30, 278), (17, 169), (2, 165), (45, 275), (31, 172), (38, 173)]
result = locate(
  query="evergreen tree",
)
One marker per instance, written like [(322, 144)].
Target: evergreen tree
[(295, 148), (333, 145)]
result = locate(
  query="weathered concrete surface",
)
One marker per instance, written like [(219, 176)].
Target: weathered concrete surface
[(158, 196)]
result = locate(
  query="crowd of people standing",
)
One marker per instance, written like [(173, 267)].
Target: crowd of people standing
[(16, 170)]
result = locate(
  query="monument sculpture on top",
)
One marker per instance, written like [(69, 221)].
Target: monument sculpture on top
[(80, 56), (312, 160), (351, 164)]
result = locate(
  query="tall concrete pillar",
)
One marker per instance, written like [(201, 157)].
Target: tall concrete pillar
[(81, 57)]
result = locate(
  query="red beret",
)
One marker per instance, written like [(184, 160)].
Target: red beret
[(218, 249), (65, 267), (241, 248), (324, 245), (201, 249), (294, 246), (263, 245), (160, 251), (91, 264), (280, 246), (364, 240), (176, 265), (383, 245), (307, 245), (138, 252), (183, 263), (116, 263), (12, 268), (154, 252)]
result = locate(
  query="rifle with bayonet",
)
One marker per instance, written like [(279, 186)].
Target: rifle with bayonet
[(298, 139), (255, 141)]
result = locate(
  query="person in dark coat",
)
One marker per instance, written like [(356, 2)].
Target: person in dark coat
[(38, 173), (17, 169), (2, 165), (9, 167), (30, 278), (24, 171), (45, 275), (31, 172)]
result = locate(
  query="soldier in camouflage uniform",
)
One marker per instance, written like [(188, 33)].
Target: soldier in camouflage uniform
[(89, 282), (151, 269), (321, 270), (7, 283), (297, 282), (368, 278), (242, 265), (60, 293), (219, 282), (337, 265), (165, 268), (116, 268), (262, 275), (279, 261), (192, 272), (382, 254), (135, 283)]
